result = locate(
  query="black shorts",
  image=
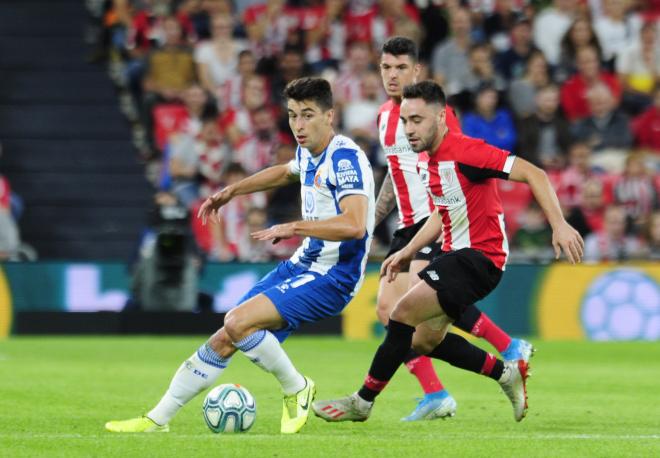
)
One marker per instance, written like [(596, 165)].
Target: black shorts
[(402, 236), (461, 278), (430, 251)]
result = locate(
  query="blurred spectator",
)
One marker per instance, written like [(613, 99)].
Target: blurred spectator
[(231, 225), (268, 25), (325, 33), (217, 59), (9, 235), (544, 137), (348, 84), (611, 243), (489, 123), (498, 26), (256, 151), (550, 25), (616, 28), (511, 62), (580, 34), (607, 127), (290, 66), (635, 191), (170, 70), (434, 21), (638, 67), (237, 123), (533, 240), (373, 22), (248, 248), (482, 69), (195, 100), (571, 180), (646, 127), (574, 90), (231, 92), (450, 64), (147, 30), (653, 236), (522, 91), (588, 215), (197, 162), (358, 115)]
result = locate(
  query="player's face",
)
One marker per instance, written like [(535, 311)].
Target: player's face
[(397, 72), (311, 126), (421, 123)]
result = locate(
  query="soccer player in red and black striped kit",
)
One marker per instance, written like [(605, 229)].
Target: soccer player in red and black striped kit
[(459, 173), (403, 188)]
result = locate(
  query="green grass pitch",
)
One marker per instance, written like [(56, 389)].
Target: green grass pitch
[(586, 399)]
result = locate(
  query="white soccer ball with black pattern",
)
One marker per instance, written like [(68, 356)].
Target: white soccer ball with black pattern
[(229, 408)]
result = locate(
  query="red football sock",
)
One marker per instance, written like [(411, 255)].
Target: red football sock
[(493, 334), (422, 368)]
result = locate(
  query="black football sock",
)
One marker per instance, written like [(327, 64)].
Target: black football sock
[(468, 319), (462, 354), (388, 358)]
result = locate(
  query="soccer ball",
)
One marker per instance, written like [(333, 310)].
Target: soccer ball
[(623, 304), (229, 408)]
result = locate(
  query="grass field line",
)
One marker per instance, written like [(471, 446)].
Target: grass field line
[(257, 437)]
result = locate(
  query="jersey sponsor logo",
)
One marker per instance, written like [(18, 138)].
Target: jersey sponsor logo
[(346, 174), (398, 149), (344, 164), (310, 202), (447, 201)]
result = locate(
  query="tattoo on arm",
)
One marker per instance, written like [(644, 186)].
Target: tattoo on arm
[(386, 200)]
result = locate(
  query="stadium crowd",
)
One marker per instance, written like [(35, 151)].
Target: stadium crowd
[(572, 86)]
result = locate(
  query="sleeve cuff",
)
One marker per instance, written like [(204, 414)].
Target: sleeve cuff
[(508, 164)]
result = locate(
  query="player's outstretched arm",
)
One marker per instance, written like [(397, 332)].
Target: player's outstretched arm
[(386, 200), (427, 234), (350, 224), (272, 177), (564, 236)]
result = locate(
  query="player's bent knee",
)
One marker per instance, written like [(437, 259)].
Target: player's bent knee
[(221, 343), (383, 309), (423, 347), (235, 326)]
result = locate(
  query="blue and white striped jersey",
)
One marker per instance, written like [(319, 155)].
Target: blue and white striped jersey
[(341, 170)]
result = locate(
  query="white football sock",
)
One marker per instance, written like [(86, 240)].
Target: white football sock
[(196, 374), (265, 351)]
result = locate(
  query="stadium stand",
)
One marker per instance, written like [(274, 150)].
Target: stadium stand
[(67, 147)]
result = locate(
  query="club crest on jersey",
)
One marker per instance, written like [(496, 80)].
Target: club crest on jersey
[(447, 176), (317, 179)]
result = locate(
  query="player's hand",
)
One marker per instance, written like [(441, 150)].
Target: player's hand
[(275, 233), (394, 264), (210, 207), (565, 238)]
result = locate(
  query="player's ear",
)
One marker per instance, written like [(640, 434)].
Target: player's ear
[(417, 68), (442, 116), (330, 115)]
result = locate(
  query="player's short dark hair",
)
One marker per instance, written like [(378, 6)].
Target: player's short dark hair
[(429, 91), (310, 88), (399, 46)]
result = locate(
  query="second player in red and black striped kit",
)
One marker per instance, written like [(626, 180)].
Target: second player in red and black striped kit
[(404, 189)]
